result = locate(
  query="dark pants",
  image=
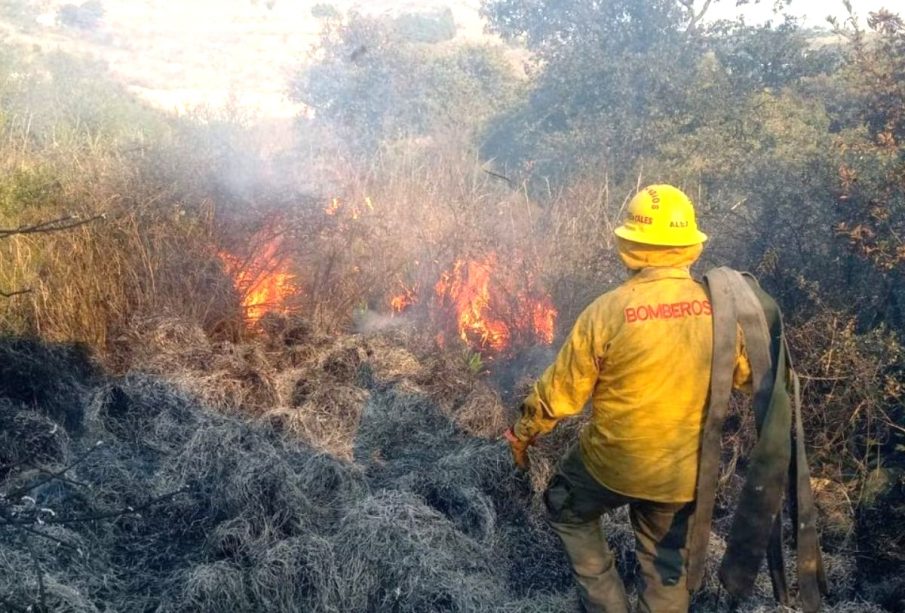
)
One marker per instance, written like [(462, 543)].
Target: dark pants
[(575, 501)]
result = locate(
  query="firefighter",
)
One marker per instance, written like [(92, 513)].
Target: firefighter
[(642, 355)]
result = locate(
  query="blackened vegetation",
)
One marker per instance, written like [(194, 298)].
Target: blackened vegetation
[(127, 494)]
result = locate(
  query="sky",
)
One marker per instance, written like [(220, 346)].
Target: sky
[(814, 12)]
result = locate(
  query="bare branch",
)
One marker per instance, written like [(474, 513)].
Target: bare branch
[(15, 293), (52, 475), (44, 471), (30, 530), (499, 176), (39, 573), (111, 515), (695, 18), (54, 225)]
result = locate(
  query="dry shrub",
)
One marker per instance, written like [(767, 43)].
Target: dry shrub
[(286, 574), (53, 376), (155, 196), (225, 374), (322, 396), (29, 439), (398, 219), (218, 586), (319, 400), (15, 587), (392, 360), (582, 262), (284, 527), (855, 606), (163, 345), (850, 391), (835, 510), (88, 283), (327, 420), (243, 376), (445, 378), (853, 413), (435, 567), (482, 412)]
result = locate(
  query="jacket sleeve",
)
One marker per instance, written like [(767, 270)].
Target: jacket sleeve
[(567, 384)]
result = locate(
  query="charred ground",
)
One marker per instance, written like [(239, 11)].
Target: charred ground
[(132, 493)]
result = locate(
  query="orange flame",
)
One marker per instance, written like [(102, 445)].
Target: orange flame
[(264, 281), (353, 210), (406, 298), (490, 313), (333, 208), (543, 320)]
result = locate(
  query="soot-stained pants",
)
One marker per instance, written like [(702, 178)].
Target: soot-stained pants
[(576, 501)]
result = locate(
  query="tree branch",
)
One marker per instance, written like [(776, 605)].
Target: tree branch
[(39, 573), (44, 471), (60, 542), (499, 176), (695, 19), (52, 475), (15, 293), (111, 515), (54, 225)]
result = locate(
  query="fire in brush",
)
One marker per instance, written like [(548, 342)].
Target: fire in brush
[(264, 280), (491, 308)]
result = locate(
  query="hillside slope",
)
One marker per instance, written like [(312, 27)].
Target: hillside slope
[(179, 56)]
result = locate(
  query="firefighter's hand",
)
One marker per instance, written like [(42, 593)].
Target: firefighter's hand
[(519, 450)]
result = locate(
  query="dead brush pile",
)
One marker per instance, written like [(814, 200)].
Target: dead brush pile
[(374, 482)]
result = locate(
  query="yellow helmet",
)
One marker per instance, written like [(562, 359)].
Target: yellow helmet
[(661, 215)]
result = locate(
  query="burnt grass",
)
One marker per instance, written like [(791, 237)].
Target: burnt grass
[(128, 494)]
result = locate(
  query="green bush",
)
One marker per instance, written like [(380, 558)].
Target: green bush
[(85, 16)]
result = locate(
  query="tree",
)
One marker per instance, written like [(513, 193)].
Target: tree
[(608, 73), (872, 174), (545, 25), (770, 56), (870, 188), (323, 10), (86, 16), (422, 27), (616, 78), (375, 81)]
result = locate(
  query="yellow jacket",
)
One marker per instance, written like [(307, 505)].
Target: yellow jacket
[(642, 354)]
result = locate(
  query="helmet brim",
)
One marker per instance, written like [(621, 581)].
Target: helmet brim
[(630, 234)]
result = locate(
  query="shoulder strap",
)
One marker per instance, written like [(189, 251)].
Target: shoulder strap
[(757, 528), (811, 574), (724, 343)]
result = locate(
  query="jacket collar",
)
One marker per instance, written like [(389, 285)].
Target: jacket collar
[(646, 275)]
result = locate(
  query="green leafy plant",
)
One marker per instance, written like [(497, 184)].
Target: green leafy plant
[(474, 361)]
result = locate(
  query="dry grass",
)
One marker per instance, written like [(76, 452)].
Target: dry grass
[(399, 495)]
